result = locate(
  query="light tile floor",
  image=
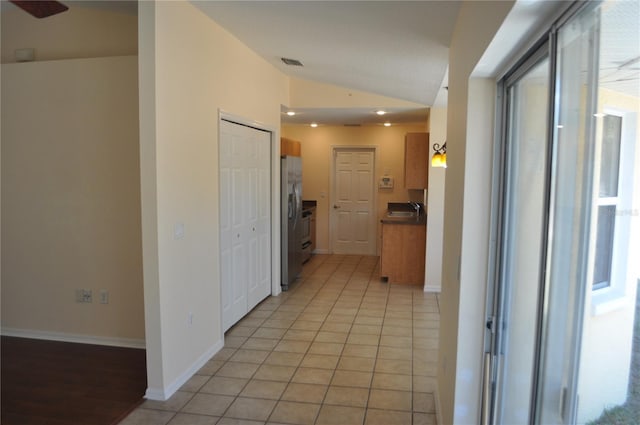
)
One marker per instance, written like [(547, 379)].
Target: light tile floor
[(340, 347)]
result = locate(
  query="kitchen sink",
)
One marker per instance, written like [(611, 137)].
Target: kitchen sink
[(401, 213)]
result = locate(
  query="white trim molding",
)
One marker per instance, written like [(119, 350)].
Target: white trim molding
[(438, 406), (432, 288), (76, 338), (163, 394)]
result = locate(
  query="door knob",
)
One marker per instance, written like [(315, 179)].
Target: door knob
[(335, 207)]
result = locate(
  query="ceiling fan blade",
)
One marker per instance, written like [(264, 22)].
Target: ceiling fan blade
[(40, 9)]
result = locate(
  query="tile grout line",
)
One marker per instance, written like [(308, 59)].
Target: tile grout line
[(282, 338), (311, 342), (343, 291), (235, 397), (386, 304), (345, 343)]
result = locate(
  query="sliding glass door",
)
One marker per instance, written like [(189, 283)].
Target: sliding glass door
[(593, 268), (563, 313), (524, 203)]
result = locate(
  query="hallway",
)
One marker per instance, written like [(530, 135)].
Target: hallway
[(340, 347)]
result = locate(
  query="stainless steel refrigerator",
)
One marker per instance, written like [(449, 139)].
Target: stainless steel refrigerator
[(291, 238)]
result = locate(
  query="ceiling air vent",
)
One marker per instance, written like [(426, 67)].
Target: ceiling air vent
[(352, 125), (291, 62)]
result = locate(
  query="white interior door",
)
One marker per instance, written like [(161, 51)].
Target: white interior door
[(245, 232), (259, 167), (353, 209)]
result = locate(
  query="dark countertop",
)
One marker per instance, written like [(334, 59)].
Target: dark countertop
[(421, 220), (415, 221), (308, 204)]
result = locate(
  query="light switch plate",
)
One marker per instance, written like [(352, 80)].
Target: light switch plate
[(178, 231)]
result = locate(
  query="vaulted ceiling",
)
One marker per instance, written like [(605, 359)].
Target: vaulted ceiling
[(397, 49)]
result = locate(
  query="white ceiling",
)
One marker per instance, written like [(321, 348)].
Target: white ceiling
[(397, 49)]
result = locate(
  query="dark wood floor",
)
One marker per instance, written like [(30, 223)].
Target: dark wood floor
[(59, 383)]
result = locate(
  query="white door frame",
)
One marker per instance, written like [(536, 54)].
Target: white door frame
[(275, 196), (332, 190)]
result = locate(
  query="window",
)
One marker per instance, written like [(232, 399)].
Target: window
[(608, 200)]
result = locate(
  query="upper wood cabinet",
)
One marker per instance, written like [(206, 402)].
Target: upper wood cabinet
[(290, 147), (416, 160)]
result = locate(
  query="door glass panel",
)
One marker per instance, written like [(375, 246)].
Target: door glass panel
[(523, 231), (571, 214), (608, 383), (587, 374)]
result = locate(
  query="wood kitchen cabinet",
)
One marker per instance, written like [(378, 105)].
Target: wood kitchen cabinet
[(403, 251), (416, 160), (290, 147)]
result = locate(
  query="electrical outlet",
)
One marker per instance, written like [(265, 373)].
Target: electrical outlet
[(87, 297), (84, 296), (104, 296)]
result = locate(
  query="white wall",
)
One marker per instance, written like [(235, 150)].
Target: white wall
[(463, 287), (311, 94), (80, 32), (70, 200), (58, 120), (475, 247), (190, 69), (435, 202)]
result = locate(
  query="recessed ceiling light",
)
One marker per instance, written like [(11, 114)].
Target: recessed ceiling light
[(291, 113), (387, 124), (314, 125), (381, 112)]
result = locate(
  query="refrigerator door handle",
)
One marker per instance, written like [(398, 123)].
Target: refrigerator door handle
[(295, 204), (290, 203)]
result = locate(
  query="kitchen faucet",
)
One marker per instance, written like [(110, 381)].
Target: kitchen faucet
[(416, 206)]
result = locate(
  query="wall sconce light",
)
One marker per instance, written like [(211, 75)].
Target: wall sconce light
[(439, 158)]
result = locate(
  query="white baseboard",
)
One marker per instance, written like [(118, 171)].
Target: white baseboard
[(162, 394), (436, 396), (432, 288), (77, 338)]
